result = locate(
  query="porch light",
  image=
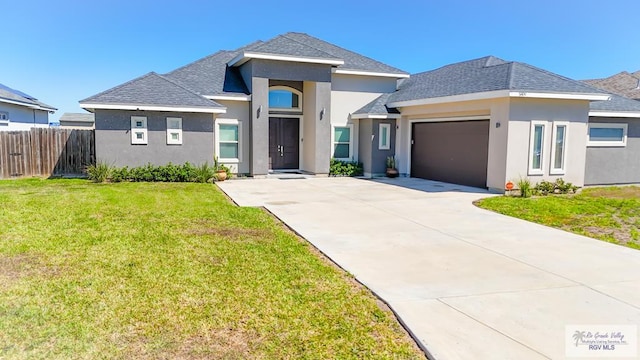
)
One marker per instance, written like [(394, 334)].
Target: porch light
[(322, 113), (259, 111)]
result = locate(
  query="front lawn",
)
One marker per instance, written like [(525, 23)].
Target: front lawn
[(611, 214), (166, 271)]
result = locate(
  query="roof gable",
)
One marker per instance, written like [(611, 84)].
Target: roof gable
[(377, 107), (623, 84), (152, 89)]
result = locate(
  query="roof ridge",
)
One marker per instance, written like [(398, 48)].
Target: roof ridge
[(198, 60), (311, 46), (510, 75), (120, 86)]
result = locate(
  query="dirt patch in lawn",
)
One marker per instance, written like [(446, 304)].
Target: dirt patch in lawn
[(228, 344), (13, 268), (230, 232), (623, 192)]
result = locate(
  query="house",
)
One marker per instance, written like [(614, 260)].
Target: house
[(624, 84), (294, 102), (78, 121), (19, 111)]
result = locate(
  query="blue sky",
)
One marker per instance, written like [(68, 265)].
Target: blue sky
[(64, 51)]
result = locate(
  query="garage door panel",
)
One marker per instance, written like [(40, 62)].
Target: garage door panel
[(454, 152)]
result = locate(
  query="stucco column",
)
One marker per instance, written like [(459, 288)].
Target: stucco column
[(259, 127), (323, 127)]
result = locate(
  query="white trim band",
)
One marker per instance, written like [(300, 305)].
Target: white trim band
[(369, 73), (375, 116), (246, 56), (87, 106), (228, 97), (623, 114)]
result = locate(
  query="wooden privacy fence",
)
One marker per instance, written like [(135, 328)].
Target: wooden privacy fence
[(46, 152)]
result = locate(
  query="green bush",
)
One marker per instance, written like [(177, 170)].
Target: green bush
[(204, 173), (544, 187), (345, 168), (558, 187), (99, 172)]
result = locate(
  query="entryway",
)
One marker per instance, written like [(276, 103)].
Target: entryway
[(284, 143)]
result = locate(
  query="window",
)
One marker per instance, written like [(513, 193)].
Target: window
[(174, 131), (139, 130), (607, 134), (559, 147), (342, 138), (228, 135), (285, 98), (4, 118), (536, 148), (384, 132)]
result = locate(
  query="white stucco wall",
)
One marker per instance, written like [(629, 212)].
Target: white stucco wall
[(238, 110), (23, 118), (522, 112), (351, 92)]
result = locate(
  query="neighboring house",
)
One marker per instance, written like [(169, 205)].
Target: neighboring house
[(294, 102), (19, 111), (623, 84), (80, 121)]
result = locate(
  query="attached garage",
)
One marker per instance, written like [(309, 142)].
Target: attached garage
[(452, 151)]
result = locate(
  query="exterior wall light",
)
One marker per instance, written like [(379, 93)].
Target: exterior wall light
[(322, 113)]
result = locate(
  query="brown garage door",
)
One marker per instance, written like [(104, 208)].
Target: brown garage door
[(454, 152)]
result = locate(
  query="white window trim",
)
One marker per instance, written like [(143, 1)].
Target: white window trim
[(622, 143), (333, 141), (386, 146), (135, 130), (4, 117), (292, 90), (553, 170), (217, 139), (170, 131), (543, 157)]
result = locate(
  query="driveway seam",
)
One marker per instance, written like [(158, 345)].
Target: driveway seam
[(492, 328)]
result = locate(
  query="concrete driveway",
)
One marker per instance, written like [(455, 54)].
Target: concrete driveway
[(468, 283)]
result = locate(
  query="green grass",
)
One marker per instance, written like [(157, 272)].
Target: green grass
[(163, 271), (611, 214)]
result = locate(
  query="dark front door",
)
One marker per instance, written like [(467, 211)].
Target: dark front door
[(284, 145), (454, 152)]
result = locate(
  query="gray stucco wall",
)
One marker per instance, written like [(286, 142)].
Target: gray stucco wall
[(285, 70), (259, 127), (292, 84), (615, 165), (24, 116), (373, 159), (113, 138)]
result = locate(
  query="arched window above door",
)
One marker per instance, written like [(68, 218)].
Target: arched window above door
[(285, 98)]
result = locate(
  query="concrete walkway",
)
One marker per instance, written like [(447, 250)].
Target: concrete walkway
[(468, 283)]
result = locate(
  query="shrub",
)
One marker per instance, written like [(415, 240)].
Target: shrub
[(544, 187), (345, 168), (120, 174), (99, 172), (558, 187), (204, 173), (524, 185)]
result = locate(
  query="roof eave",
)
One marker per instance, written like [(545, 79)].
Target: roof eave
[(228, 97), (245, 56), (32, 106), (375, 116), (608, 113), (563, 96), (141, 107), (452, 98), (370, 73)]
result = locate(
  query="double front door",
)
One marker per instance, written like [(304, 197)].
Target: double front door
[(284, 144)]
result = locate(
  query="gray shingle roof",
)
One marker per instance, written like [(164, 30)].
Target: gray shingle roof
[(623, 84), (18, 96), (78, 117), (152, 89), (377, 107), (616, 103), (352, 60), (211, 76), (286, 45), (485, 74)]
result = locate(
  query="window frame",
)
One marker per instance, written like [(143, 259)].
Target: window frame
[(4, 117), (381, 145), (291, 90), (606, 125), (553, 170), (333, 141), (236, 122), (136, 130), (543, 157), (171, 131)]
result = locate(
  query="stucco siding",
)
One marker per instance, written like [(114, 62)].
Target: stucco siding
[(522, 112), (615, 165), (365, 144), (113, 139), (23, 118), (240, 111)]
